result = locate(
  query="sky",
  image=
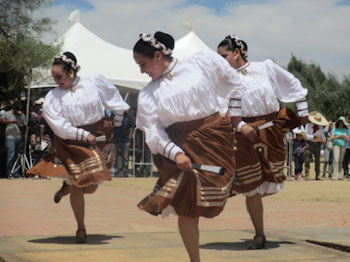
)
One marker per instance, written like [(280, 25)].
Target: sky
[(315, 31)]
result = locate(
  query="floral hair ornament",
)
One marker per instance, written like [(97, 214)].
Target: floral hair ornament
[(157, 45), (239, 44), (68, 61)]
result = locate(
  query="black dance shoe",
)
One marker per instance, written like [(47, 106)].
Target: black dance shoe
[(64, 190), (80, 236), (258, 245)]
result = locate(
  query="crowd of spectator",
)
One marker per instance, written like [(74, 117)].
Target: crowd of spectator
[(322, 139), (13, 128)]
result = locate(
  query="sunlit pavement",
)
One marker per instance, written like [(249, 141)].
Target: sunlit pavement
[(33, 228)]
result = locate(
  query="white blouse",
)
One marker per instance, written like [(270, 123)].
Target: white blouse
[(83, 104), (266, 84), (189, 89)]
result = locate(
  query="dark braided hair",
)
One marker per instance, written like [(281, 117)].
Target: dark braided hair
[(232, 42), (148, 48), (68, 61)]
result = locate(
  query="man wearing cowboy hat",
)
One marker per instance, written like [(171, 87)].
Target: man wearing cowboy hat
[(315, 136), (37, 108)]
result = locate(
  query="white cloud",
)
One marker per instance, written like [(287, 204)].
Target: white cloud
[(315, 30)]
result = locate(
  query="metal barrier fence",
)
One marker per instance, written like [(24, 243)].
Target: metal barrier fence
[(289, 155), (142, 157)]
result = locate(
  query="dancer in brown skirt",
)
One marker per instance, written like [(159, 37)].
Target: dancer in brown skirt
[(183, 114), (260, 155), (75, 111)]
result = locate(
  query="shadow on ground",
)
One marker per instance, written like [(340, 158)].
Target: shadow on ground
[(243, 245), (96, 239)]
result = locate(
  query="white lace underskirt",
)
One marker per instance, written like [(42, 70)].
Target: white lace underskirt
[(266, 188)]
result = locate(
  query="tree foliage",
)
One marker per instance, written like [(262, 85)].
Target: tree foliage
[(21, 49), (325, 93)]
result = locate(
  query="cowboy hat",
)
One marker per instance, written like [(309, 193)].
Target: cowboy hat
[(40, 101), (317, 118), (342, 118), (299, 131)]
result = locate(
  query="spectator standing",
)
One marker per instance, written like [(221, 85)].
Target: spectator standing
[(41, 142), (37, 108), (121, 140), (347, 152), (315, 136), (3, 109), (34, 120), (339, 137), (328, 151), (14, 120), (299, 146)]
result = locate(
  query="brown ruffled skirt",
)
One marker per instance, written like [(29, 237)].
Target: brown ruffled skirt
[(262, 160), (83, 164), (206, 141)]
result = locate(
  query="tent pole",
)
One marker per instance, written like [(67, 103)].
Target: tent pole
[(27, 118)]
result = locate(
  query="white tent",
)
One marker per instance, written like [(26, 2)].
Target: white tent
[(98, 56), (188, 45)]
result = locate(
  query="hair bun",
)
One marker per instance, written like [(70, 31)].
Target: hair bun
[(68, 59), (165, 39), (71, 56)]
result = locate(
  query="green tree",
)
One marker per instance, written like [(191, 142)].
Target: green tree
[(325, 93), (21, 49)]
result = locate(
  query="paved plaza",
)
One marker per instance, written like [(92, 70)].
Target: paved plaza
[(33, 228)]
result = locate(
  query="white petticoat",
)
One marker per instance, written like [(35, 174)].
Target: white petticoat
[(266, 188)]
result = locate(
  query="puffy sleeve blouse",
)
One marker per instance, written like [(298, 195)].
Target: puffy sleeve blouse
[(266, 83), (189, 89), (85, 103)]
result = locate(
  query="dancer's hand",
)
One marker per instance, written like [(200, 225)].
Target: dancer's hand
[(248, 132), (91, 139), (183, 162)]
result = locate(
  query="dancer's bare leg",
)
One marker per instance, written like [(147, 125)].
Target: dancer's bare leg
[(188, 228), (256, 211), (78, 204)]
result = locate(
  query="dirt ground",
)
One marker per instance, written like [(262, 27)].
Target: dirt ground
[(34, 228), (27, 208)]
